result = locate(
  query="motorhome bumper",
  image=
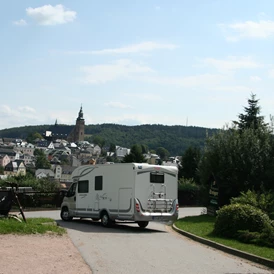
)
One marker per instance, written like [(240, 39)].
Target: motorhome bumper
[(156, 217), (142, 215)]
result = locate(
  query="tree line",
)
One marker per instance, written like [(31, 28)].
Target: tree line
[(175, 139), (239, 158)]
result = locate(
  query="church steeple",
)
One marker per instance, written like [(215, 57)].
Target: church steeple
[(80, 115)]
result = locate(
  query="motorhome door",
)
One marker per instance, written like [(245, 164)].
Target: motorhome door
[(70, 198), (125, 202), (82, 197)]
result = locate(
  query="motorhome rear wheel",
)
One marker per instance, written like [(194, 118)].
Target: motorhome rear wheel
[(142, 224)]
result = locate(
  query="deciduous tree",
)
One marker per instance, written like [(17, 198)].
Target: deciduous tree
[(240, 158), (98, 140), (41, 160), (190, 161), (33, 136), (162, 152), (135, 155)]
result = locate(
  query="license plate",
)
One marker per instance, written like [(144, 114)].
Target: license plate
[(157, 218)]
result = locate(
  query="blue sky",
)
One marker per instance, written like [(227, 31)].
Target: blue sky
[(127, 62)]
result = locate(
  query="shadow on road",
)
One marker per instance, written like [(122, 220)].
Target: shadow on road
[(90, 226)]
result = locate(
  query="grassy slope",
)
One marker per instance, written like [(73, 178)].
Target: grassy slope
[(203, 225), (32, 226)]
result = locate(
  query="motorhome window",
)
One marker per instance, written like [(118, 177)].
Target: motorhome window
[(157, 178), (98, 182), (83, 187)]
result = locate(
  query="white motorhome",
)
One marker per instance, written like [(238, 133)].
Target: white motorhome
[(122, 192)]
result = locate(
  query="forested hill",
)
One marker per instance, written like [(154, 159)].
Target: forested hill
[(173, 138)]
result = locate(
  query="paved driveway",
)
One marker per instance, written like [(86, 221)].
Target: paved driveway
[(127, 249)]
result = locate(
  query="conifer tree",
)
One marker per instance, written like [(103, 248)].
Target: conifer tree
[(251, 118)]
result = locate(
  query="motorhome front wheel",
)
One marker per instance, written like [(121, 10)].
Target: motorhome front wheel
[(105, 219), (65, 214)]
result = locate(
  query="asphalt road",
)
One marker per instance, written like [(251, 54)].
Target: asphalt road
[(127, 249)]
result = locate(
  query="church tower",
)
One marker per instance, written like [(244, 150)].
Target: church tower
[(78, 131), (80, 127)]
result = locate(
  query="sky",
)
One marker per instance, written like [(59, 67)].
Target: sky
[(179, 62)]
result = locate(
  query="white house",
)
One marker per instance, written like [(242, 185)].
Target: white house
[(122, 151), (27, 158), (25, 149), (97, 150), (15, 168), (58, 172), (4, 160), (43, 173)]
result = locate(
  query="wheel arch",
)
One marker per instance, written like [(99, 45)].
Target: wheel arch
[(104, 210)]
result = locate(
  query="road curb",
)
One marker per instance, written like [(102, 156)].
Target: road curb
[(245, 255)]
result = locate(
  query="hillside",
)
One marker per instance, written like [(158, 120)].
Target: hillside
[(174, 138)]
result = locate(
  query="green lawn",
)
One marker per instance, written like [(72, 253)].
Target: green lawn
[(32, 226), (203, 225)]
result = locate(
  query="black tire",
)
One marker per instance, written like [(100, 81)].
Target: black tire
[(105, 220), (65, 214), (142, 224), (95, 219)]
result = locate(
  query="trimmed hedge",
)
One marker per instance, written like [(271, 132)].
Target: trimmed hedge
[(240, 217)]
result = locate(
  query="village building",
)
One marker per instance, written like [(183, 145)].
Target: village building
[(15, 168)]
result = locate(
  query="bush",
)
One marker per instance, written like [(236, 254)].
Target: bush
[(188, 192), (265, 238), (237, 217), (188, 185), (42, 185), (263, 201)]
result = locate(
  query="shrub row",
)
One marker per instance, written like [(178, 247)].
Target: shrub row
[(245, 223)]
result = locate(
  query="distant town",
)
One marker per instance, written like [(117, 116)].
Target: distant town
[(64, 152)]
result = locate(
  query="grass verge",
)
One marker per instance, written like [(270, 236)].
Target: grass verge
[(203, 225), (32, 226)]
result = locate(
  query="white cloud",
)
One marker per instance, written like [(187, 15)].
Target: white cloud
[(5, 110), (232, 88), (26, 109), (255, 78), (20, 111), (141, 118), (232, 63), (145, 96), (20, 22), (126, 69), (248, 29), (117, 105), (231, 39), (262, 15), (201, 80), (65, 116), (119, 69), (18, 116), (51, 15), (134, 48), (271, 73)]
